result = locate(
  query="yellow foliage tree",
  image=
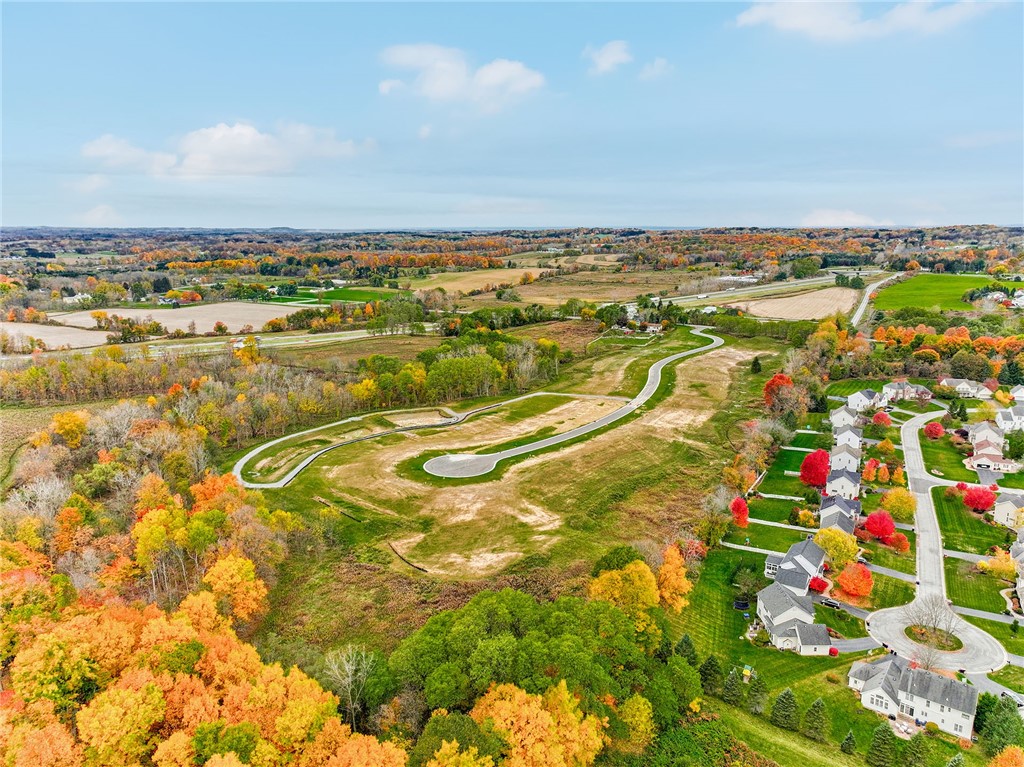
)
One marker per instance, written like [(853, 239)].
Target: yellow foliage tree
[(634, 590), (235, 585), (450, 756), (638, 715), (840, 546), (116, 725), (673, 585), (1000, 565), (1011, 756), (71, 426)]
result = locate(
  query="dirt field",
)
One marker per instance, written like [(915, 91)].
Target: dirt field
[(594, 286), (235, 314), (812, 305), (56, 336), (466, 281), (573, 335), (320, 355)]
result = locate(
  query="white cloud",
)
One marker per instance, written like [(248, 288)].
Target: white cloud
[(444, 74), (840, 218), (982, 139), (88, 184), (843, 21), (608, 57), (655, 69), (101, 215), (240, 149), (386, 86), (425, 130)]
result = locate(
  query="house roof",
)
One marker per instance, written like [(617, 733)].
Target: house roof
[(894, 674), (836, 517), (793, 579), (867, 393), (777, 599), (813, 634), (774, 559), (1013, 498), (837, 474), (957, 381), (807, 549), (852, 429), (845, 450), (987, 446), (849, 507)]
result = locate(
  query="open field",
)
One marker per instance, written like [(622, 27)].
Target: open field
[(811, 305), (474, 280), (942, 291), (570, 335), (602, 286), (234, 314), (56, 336), (961, 530), (347, 352)]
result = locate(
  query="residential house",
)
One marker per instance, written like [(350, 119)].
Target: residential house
[(1017, 555), (1011, 418), (891, 686), (795, 568), (865, 399), (781, 611), (1007, 511), (987, 457), (843, 416), (985, 432), (967, 388), (812, 639), (850, 436), (844, 457), (77, 298), (840, 512), (901, 389), (1017, 392), (843, 483)]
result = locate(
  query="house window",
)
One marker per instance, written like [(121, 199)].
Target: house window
[(963, 716), (907, 709), (958, 728)]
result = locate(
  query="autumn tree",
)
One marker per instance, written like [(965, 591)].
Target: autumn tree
[(449, 755), (883, 474), (1000, 564), (1011, 756), (633, 589), (900, 503), (740, 512), (673, 585), (840, 547), (870, 471), (71, 426), (814, 468), (116, 726), (934, 430), (899, 543), (638, 716), (881, 418), (234, 584), (774, 384), (979, 499), (880, 524), (856, 580)]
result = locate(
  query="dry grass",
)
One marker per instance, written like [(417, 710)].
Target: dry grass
[(234, 314), (348, 352), (477, 280), (571, 335), (56, 336), (811, 305), (593, 286)]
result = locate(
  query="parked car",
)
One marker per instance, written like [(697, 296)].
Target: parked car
[(829, 602)]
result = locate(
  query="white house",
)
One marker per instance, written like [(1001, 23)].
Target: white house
[(812, 639), (850, 436), (903, 389), (795, 568), (840, 512), (845, 458), (891, 687), (967, 388), (865, 399), (1011, 418), (843, 483), (1007, 511), (985, 432), (781, 611), (1017, 392), (843, 416), (986, 456)]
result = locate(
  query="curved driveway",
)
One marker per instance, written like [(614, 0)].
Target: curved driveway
[(981, 653), (471, 465)]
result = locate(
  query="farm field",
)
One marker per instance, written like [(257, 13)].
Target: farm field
[(474, 280), (601, 286), (330, 354), (56, 336), (235, 314), (961, 531), (942, 291), (811, 305), (570, 335)]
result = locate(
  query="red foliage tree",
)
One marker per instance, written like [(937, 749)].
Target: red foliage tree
[(934, 430), (899, 543), (881, 418), (856, 580), (775, 383), (814, 469), (740, 512), (979, 499), (880, 524), (817, 585)]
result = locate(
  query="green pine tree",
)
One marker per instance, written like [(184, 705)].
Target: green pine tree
[(817, 724), (757, 696), (956, 761), (711, 676), (732, 693), (1003, 727), (784, 711), (755, 365), (882, 752), (685, 649), (849, 744), (915, 754)]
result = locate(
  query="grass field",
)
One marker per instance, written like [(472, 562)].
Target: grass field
[(961, 530), (969, 588), (942, 291), (940, 454), (766, 537), (890, 592), (1013, 643), (777, 482), (812, 441), (1010, 676), (334, 354), (886, 557), (772, 509)]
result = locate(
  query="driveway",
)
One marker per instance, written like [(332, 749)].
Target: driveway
[(981, 653), (470, 465)]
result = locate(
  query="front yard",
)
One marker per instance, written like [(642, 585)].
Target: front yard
[(883, 556), (940, 454), (1003, 632), (962, 530), (969, 588)]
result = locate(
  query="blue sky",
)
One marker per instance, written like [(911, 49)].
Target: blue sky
[(496, 115)]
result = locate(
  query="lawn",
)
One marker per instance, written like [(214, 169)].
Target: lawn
[(930, 290), (765, 537), (1010, 676), (940, 454), (814, 421), (776, 481), (883, 556), (1014, 643), (812, 441), (772, 509), (961, 530), (890, 592), (1012, 480), (969, 588), (847, 625)]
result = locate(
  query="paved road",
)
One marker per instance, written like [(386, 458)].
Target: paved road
[(863, 306), (470, 465), (897, 574), (981, 652), (452, 419), (975, 558)]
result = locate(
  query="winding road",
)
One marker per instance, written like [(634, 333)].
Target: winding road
[(981, 653), (863, 305), (455, 465)]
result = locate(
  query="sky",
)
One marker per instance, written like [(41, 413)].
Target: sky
[(491, 115)]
